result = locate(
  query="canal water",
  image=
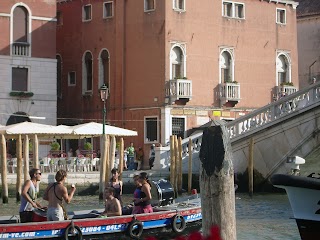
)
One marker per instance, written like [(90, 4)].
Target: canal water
[(265, 216)]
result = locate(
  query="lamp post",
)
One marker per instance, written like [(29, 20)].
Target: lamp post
[(104, 96)]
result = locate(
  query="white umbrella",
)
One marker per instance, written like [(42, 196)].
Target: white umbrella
[(95, 129), (28, 128)]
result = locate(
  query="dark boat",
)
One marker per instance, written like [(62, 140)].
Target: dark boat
[(176, 215), (304, 197)]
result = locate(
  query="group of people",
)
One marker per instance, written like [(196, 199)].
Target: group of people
[(56, 193), (141, 196), (135, 157)]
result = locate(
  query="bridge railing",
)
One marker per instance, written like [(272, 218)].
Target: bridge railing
[(274, 111), (245, 124)]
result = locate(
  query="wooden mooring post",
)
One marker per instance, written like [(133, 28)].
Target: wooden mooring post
[(217, 181), (250, 167), (19, 167), (5, 193)]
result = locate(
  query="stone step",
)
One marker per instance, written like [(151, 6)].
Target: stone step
[(87, 178)]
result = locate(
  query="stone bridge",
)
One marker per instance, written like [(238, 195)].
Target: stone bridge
[(287, 127)]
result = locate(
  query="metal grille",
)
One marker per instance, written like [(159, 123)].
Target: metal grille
[(178, 126)]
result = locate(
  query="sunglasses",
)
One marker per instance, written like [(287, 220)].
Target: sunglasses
[(39, 173)]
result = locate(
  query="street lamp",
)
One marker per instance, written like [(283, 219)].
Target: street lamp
[(104, 92)]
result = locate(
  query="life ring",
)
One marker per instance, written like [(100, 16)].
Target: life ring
[(135, 229), (178, 223), (74, 231)]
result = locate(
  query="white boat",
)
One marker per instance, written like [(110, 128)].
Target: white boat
[(304, 197)]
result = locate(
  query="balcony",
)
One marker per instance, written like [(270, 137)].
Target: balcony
[(20, 49), (230, 92), (178, 89), (286, 89)]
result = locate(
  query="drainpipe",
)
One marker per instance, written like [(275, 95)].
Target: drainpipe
[(123, 78), (310, 70)]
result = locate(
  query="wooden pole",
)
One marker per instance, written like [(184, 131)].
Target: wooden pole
[(190, 166), (250, 166), (176, 152), (112, 151), (5, 193), (172, 161), (26, 158), (216, 181), (103, 159), (107, 174), (121, 156), (180, 165), (35, 152), (19, 167)]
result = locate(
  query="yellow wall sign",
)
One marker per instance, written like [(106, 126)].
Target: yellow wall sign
[(216, 113)]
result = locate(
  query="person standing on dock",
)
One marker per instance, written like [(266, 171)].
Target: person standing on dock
[(28, 196), (131, 154)]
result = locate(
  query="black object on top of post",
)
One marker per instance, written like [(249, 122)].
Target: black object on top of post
[(104, 93)]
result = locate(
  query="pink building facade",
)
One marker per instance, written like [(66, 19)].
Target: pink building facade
[(172, 65)]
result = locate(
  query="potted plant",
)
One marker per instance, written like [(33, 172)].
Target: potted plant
[(55, 146), (286, 84), (87, 146)]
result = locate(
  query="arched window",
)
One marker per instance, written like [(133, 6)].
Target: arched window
[(87, 73), (20, 31), (59, 74), (283, 69), (104, 68), (226, 66), (177, 61), (20, 24)]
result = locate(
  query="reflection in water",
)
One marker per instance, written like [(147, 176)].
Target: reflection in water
[(265, 216)]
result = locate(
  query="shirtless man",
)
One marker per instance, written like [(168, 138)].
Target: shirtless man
[(54, 194), (112, 207)]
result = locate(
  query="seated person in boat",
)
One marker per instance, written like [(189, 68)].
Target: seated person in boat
[(54, 194), (112, 204), (144, 201), (28, 196), (116, 184)]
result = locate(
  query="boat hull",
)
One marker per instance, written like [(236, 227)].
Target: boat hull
[(105, 228), (304, 198)]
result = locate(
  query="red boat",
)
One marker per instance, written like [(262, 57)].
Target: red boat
[(171, 216)]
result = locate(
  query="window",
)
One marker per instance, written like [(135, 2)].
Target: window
[(72, 78), (107, 9), (177, 61), (104, 68), (87, 74), (20, 24), (179, 5), (233, 10), (151, 129), (86, 13), (227, 9), (283, 69), (178, 126), (59, 74), (149, 5), (20, 79), (281, 16), (226, 66), (59, 18)]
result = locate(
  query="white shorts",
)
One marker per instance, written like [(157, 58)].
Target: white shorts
[(55, 214)]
